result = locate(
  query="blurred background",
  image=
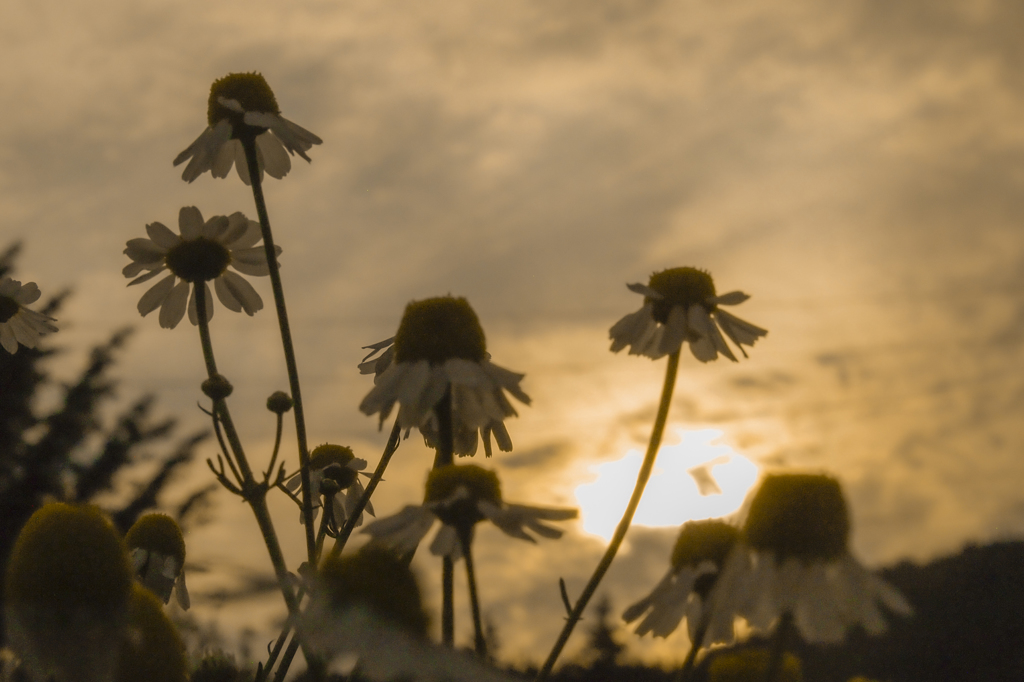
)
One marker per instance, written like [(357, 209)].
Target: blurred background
[(856, 167)]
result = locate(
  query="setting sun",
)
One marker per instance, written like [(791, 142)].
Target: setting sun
[(697, 478)]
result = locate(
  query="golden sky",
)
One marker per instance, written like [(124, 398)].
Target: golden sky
[(854, 166)]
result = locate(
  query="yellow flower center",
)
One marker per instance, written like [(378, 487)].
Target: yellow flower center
[(799, 515), (703, 541), (439, 329), (250, 90), (157, 533), (328, 454), (8, 308), (198, 260), (680, 287), (378, 580), (69, 557)]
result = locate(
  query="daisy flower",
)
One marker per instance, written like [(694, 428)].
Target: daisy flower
[(440, 344), (68, 588), (793, 560), (242, 106), (460, 496), (337, 463), (680, 306), (202, 253), (157, 551), (18, 324), (697, 557)]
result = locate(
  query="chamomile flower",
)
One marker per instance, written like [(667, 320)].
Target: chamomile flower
[(440, 344), (337, 463), (18, 324), (793, 559), (157, 551), (242, 106), (680, 306), (697, 557), (203, 252), (460, 496), (67, 593)]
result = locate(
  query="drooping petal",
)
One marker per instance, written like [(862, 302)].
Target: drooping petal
[(676, 330), (193, 309), (241, 290), (157, 294), (7, 339), (224, 159), (276, 159), (173, 308)]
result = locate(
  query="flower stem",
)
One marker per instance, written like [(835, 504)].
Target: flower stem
[(343, 535), (445, 456), (771, 673), (691, 656), (249, 144), (254, 493), (627, 516), (466, 540)]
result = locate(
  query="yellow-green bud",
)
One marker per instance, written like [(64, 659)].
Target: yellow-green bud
[(279, 402), (378, 580), (799, 515), (152, 650), (439, 329), (217, 387)]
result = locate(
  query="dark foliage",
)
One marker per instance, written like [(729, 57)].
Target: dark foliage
[(54, 457)]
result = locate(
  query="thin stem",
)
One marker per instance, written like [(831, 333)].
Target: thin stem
[(627, 516), (249, 144), (445, 456), (466, 540), (448, 605), (286, 660), (350, 523), (254, 494), (691, 656), (277, 448), (771, 673)]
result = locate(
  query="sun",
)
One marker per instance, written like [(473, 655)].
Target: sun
[(698, 478)]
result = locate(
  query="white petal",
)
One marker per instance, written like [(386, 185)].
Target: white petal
[(173, 307), (224, 158), (231, 285), (190, 222), (252, 262), (157, 294), (645, 290), (193, 309), (242, 165), (676, 331), (276, 159), (7, 339), (446, 543)]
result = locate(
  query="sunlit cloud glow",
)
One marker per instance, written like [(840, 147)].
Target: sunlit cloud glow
[(697, 478)]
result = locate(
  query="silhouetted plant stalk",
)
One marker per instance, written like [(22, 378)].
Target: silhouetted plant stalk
[(465, 532), (253, 492), (782, 633), (627, 517), (691, 656), (249, 144), (445, 456)]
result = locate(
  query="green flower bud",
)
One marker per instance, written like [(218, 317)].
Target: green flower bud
[(279, 402), (250, 90), (328, 454), (217, 387)]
